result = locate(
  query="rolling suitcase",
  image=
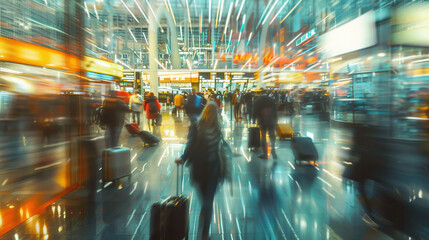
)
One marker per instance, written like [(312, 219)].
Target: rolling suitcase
[(284, 130), (158, 120), (116, 163), (304, 150), (148, 138), (132, 128), (254, 140), (169, 219)]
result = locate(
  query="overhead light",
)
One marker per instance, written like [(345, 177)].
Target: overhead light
[(215, 65), (239, 11), (156, 19), (46, 2), (135, 40), (144, 35), (280, 10), (382, 54), (189, 64), (144, 15), (248, 40), (290, 64), (119, 61), (9, 70), (172, 14), (96, 13), (227, 19), (308, 69), (245, 64), (297, 36), (210, 11), (217, 13), (130, 11), (189, 15), (221, 11), (86, 10), (287, 15), (263, 14), (160, 64), (269, 12)]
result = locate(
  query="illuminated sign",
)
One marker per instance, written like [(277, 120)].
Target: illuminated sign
[(99, 76), (91, 64), (306, 36), (126, 84)]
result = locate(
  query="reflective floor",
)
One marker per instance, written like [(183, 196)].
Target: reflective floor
[(266, 200)]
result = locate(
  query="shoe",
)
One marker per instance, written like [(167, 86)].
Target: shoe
[(263, 156), (274, 155)]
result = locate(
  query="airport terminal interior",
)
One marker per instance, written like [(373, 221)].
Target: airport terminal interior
[(214, 119)]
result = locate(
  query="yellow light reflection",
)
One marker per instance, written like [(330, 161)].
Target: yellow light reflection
[(60, 229), (37, 227), (45, 229), (21, 212)]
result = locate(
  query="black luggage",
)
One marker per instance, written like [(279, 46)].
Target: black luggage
[(148, 138), (169, 219), (303, 149), (158, 120), (174, 112), (116, 163), (254, 140), (324, 116)]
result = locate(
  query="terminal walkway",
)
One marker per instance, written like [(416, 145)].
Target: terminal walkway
[(267, 199)]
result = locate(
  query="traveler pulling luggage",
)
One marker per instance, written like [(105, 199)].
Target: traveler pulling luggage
[(116, 164), (284, 131), (169, 219), (147, 137), (158, 120), (303, 149)]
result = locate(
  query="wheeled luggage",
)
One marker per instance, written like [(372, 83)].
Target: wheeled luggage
[(254, 140), (116, 163), (158, 120), (303, 149), (284, 130), (148, 138), (132, 128), (169, 219)]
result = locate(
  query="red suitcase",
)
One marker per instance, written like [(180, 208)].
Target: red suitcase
[(132, 128)]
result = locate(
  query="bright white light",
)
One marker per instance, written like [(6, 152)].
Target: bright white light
[(189, 64), (308, 69), (156, 19), (86, 10), (172, 14), (214, 68), (217, 13), (382, 54), (119, 61), (280, 10), (135, 40), (269, 12), (144, 35), (189, 16), (96, 13), (156, 60), (297, 36), (130, 11), (248, 40), (227, 18), (287, 15), (46, 2), (210, 11), (221, 11), (245, 64), (144, 15), (239, 11)]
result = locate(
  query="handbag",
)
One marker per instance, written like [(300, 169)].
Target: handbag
[(225, 155)]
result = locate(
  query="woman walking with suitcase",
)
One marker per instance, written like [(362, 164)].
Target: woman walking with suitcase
[(202, 153), (152, 107)]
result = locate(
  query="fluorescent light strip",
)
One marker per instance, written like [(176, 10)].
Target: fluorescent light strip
[(160, 64), (119, 61), (245, 64), (144, 15), (86, 10), (281, 9), (291, 11), (269, 12), (221, 11), (135, 40), (227, 19), (308, 69), (297, 36), (263, 14), (96, 13), (214, 68), (189, 16), (239, 11), (189, 64), (144, 35), (217, 13), (156, 19), (172, 13), (46, 2), (210, 11), (130, 11), (290, 64), (248, 40)]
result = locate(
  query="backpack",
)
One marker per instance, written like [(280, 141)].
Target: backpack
[(153, 107)]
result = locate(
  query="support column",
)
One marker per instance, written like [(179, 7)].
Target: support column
[(153, 54)]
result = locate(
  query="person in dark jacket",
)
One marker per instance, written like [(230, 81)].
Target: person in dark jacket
[(264, 111), (248, 100), (202, 156), (113, 118), (152, 107), (194, 105)]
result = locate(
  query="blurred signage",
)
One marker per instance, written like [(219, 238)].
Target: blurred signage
[(357, 34), (306, 36), (410, 25), (171, 77), (91, 64), (99, 76), (128, 75), (126, 84), (32, 54)]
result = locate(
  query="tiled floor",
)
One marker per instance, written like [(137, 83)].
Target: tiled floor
[(266, 200)]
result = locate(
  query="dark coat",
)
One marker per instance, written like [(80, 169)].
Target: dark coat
[(264, 110), (114, 112)]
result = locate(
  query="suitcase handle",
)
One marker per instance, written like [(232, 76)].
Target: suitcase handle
[(179, 177)]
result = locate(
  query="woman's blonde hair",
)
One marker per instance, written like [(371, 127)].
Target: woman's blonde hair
[(151, 94), (210, 116)]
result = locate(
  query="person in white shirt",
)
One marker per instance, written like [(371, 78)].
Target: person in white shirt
[(136, 105)]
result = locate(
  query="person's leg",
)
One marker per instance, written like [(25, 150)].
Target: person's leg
[(235, 112), (239, 111), (138, 118), (108, 137), (264, 142), (273, 141), (116, 135), (133, 116)]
